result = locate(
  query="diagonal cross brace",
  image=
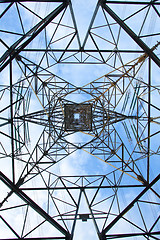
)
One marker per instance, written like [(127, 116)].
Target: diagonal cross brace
[(33, 205), (123, 25), (7, 1), (102, 235), (16, 48)]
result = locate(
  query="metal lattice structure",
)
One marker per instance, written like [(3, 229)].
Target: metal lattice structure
[(79, 149)]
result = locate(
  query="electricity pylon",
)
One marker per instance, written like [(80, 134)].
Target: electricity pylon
[(79, 157)]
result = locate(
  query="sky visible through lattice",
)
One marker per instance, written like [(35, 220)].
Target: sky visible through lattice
[(43, 82)]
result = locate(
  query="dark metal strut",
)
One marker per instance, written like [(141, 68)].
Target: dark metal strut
[(33, 205), (125, 27), (102, 235)]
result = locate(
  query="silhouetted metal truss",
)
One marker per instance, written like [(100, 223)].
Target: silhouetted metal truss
[(48, 122)]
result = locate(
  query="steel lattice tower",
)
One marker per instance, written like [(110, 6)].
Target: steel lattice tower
[(80, 116)]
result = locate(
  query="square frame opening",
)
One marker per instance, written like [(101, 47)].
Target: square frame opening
[(78, 117)]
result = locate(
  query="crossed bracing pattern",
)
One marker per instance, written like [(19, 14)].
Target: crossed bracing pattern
[(33, 219), (118, 100), (124, 124), (111, 24)]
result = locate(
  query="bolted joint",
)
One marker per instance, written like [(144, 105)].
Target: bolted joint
[(68, 236), (102, 236), (45, 153), (102, 2), (66, 2)]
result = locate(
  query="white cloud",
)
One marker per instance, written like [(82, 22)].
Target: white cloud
[(78, 163)]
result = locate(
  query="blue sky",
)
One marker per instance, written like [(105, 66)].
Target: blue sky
[(80, 162)]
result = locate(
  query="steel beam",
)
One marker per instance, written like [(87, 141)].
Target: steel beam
[(128, 235), (149, 119), (33, 205), (102, 235), (42, 238), (82, 187), (81, 51), (108, 1), (6, 1), (11, 122), (16, 48), (133, 2), (125, 27)]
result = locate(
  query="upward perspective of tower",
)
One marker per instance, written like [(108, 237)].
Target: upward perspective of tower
[(79, 119)]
